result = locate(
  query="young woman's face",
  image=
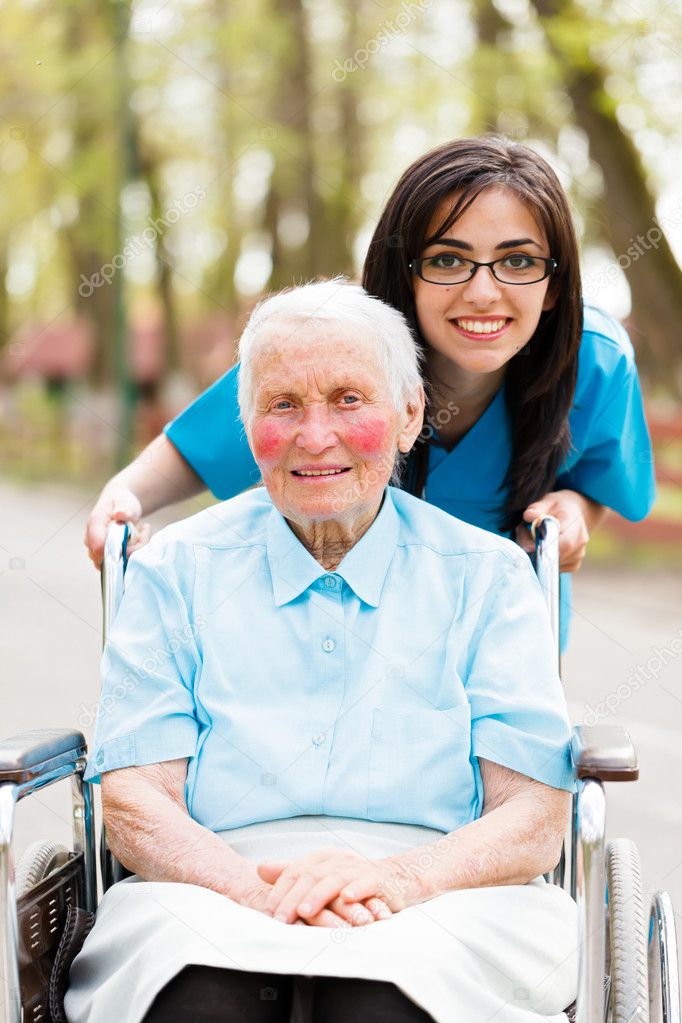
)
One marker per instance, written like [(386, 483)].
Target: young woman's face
[(450, 317)]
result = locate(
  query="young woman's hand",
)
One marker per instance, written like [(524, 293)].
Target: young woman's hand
[(310, 885), (118, 505), (576, 515)]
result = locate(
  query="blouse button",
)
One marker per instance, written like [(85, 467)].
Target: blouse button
[(328, 645), (319, 739)]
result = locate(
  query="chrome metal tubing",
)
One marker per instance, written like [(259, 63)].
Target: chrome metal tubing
[(83, 840), (558, 875), (27, 788), (664, 978), (590, 889), (10, 1003), (84, 833), (545, 532), (572, 887), (546, 535), (113, 573), (113, 568)]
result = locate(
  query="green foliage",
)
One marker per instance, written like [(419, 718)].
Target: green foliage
[(293, 118)]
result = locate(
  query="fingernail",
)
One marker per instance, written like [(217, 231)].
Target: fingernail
[(282, 917), (305, 907)]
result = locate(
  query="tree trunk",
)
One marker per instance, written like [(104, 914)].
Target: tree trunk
[(93, 240), (630, 222), (342, 207), (164, 274), (220, 285), (4, 300), (96, 305), (293, 182), (484, 67)]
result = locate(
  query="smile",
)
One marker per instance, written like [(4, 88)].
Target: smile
[(318, 472), (481, 328)]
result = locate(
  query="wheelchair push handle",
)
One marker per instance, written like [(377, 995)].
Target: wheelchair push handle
[(114, 563), (545, 533)]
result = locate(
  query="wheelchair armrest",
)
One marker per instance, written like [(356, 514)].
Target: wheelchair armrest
[(33, 755), (604, 752)]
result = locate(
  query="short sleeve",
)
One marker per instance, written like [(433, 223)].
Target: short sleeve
[(146, 712), (519, 717), (210, 435), (615, 466)]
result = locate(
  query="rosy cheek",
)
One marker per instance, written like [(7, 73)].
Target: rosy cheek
[(269, 441), (368, 437)]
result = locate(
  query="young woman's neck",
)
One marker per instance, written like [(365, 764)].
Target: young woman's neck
[(470, 393)]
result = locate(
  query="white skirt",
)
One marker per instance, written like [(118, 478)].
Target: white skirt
[(506, 954)]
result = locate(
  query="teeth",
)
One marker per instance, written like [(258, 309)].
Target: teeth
[(318, 472), (480, 327)]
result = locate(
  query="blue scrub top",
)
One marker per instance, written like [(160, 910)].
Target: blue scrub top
[(610, 459), (374, 689)]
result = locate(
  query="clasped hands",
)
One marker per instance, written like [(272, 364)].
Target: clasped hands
[(331, 887)]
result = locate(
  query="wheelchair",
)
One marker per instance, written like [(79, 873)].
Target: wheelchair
[(628, 969)]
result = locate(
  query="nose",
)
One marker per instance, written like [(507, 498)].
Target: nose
[(316, 432), (483, 288)]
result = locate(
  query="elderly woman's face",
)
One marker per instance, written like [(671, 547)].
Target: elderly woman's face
[(324, 431)]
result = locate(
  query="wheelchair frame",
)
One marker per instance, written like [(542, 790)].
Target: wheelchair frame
[(36, 759)]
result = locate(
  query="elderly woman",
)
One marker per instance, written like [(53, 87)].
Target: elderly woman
[(332, 741)]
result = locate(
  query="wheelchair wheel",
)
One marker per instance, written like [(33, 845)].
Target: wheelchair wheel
[(626, 944), (38, 862)]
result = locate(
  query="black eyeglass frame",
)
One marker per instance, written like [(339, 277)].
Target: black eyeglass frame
[(415, 265)]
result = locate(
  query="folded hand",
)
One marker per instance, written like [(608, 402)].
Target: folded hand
[(312, 885)]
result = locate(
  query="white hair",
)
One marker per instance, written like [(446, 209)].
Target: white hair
[(384, 329)]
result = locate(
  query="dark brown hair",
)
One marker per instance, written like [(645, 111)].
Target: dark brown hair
[(540, 379)]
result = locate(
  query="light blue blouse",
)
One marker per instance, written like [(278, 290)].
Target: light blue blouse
[(610, 459), (367, 692)]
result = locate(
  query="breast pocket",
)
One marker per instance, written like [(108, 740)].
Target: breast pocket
[(419, 767)]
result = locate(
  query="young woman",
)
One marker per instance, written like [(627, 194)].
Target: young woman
[(534, 402)]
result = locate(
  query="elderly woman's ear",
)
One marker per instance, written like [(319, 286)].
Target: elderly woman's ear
[(413, 420)]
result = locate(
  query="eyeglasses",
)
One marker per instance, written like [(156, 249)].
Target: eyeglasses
[(517, 268)]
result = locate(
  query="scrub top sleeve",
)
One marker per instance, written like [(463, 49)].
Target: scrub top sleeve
[(519, 717), (146, 711), (210, 436), (616, 467)]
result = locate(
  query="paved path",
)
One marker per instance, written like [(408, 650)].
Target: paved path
[(624, 666)]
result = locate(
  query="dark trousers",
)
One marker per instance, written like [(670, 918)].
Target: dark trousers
[(204, 994)]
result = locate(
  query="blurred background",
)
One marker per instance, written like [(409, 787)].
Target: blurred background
[(164, 163)]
